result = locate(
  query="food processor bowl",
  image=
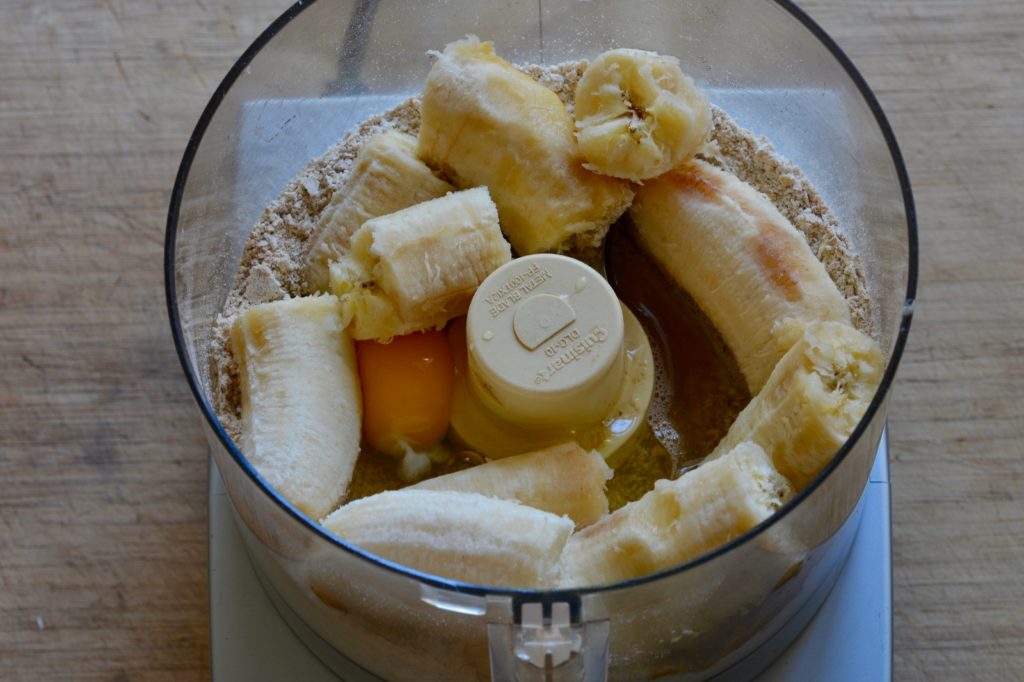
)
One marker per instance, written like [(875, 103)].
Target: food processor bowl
[(324, 66)]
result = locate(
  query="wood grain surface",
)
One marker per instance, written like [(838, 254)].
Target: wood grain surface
[(103, 535)]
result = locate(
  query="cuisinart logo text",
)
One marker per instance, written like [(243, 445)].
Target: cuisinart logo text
[(569, 348)]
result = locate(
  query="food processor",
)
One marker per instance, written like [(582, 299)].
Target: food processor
[(324, 66)]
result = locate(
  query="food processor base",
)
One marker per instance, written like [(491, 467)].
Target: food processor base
[(255, 636)]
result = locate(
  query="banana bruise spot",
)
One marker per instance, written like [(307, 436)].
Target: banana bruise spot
[(775, 249), (751, 272), (687, 180), (771, 254), (771, 247)]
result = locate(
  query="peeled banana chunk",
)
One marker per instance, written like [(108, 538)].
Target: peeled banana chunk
[(638, 115), (679, 520), (812, 401), (484, 122), (387, 176), (564, 480), (301, 408), (751, 272), (457, 535), (419, 267)]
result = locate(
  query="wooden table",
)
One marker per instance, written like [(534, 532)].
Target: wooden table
[(102, 474)]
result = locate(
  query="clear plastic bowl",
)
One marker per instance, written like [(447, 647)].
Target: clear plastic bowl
[(325, 65)]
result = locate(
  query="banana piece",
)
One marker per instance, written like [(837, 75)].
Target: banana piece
[(457, 535), (747, 267), (677, 521), (419, 267), (387, 177), (483, 122), (812, 401), (301, 406), (638, 115), (564, 480)]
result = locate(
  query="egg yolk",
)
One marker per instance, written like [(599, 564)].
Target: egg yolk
[(407, 387)]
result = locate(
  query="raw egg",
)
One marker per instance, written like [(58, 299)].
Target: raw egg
[(407, 389)]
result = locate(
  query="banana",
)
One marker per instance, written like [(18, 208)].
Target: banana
[(301, 406), (747, 267), (386, 177), (457, 535), (812, 401), (677, 521), (483, 122), (638, 115), (564, 480), (418, 268)]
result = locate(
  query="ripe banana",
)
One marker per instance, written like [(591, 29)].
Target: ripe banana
[(301, 405), (638, 115), (419, 267), (812, 401), (564, 480), (457, 535), (677, 521), (387, 177), (748, 268), (483, 122)]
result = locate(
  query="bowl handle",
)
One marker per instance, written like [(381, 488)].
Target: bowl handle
[(545, 640)]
